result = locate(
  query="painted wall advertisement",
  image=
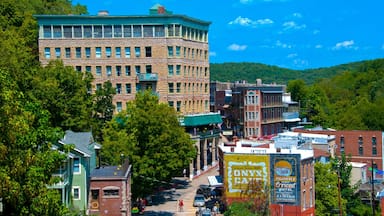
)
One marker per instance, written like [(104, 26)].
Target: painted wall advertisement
[(241, 169), (285, 178)]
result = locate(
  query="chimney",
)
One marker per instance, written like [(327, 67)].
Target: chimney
[(161, 10), (103, 13)]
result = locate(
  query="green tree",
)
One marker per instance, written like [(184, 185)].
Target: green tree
[(326, 190), (240, 209), (298, 90), (149, 133), (64, 93), (102, 108), (26, 159)]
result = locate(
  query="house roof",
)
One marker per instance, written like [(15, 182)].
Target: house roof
[(108, 172), (81, 140)]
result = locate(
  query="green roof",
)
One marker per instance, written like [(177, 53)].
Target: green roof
[(201, 119)]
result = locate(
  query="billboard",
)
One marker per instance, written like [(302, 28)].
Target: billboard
[(241, 169), (285, 179)]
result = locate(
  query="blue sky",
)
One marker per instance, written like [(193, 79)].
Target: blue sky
[(295, 34)]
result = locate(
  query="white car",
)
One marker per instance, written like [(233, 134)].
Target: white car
[(199, 200)]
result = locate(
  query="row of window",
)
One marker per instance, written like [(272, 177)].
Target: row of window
[(188, 105), (361, 146), (251, 99), (118, 70), (123, 31), (171, 87), (121, 52), (251, 116)]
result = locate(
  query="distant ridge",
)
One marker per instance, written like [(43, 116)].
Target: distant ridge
[(231, 71)]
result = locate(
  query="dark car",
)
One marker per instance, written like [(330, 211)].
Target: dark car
[(204, 190)]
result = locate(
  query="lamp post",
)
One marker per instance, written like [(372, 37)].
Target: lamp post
[(373, 189)]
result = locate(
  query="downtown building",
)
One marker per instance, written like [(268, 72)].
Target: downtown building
[(162, 51)]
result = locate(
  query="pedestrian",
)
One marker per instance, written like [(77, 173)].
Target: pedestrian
[(181, 205), (184, 173)]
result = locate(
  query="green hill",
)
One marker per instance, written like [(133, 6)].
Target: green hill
[(231, 72)]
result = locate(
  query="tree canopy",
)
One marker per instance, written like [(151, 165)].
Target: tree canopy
[(150, 135)]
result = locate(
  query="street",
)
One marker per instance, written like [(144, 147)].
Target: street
[(166, 203)]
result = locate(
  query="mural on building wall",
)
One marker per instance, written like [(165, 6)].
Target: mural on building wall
[(285, 178), (241, 169)]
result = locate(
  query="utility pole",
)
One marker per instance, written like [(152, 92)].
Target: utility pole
[(373, 189), (339, 190)]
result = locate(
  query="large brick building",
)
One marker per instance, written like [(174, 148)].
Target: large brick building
[(161, 51)]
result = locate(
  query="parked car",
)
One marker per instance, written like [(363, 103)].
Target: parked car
[(204, 190), (206, 212), (199, 200)]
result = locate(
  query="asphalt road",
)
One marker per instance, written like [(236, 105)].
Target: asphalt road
[(166, 202)]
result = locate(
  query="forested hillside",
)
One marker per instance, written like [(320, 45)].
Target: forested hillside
[(272, 74)]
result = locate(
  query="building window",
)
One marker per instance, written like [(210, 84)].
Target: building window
[(111, 192), (137, 69), (374, 150), (178, 51), (127, 31), (98, 52), (77, 32), (57, 52), (67, 52), (87, 52), (170, 51), (170, 70), (171, 32), (137, 31), (148, 51), (76, 166), (118, 88), (148, 31), (178, 106), (76, 192), (128, 88), (98, 70), (159, 31), (137, 52), (118, 52), (109, 70), (178, 68), (78, 52), (47, 31), (57, 33), (374, 141), (127, 52), (178, 87), (88, 68), (361, 150), (118, 70), (108, 52), (360, 141), (148, 68), (108, 31), (127, 70), (47, 52), (78, 68), (171, 104), (117, 31), (87, 31), (170, 88), (119, 106), (97, 31)]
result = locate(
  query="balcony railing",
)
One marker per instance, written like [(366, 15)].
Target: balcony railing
[(148, 77), (63, 175)]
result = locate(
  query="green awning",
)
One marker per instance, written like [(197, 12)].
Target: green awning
[(201, 119)]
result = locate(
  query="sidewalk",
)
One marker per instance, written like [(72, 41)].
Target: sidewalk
[(166, 204)]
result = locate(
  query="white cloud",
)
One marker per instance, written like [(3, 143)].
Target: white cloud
[(318, 46), (300, 63), (283, 45), (213, 54), (348, 44), (237, 47), (293, 25), (382, 47), (316, 31), (244, 21), (292, 55)]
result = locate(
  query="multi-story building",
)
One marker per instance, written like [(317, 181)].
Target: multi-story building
[(285, 172), (358, 145), (161, 51)]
